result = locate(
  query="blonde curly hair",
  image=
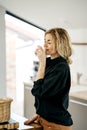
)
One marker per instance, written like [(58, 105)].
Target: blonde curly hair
[(63, 43)]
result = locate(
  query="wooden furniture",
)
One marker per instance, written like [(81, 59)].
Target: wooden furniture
[(11, 124)]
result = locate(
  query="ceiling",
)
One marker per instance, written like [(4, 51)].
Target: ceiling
[(50, 13)]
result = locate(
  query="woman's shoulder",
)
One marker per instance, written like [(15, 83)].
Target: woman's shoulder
[(57, 60), (57, 63)]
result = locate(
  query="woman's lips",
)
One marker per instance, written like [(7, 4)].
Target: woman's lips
[(46, 49)]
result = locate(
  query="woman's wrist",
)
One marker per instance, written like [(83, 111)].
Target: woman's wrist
[(41, 71)]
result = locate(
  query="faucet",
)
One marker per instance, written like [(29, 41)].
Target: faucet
[(78, 77)]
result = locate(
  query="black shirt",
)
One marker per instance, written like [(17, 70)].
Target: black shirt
[(52, 92)]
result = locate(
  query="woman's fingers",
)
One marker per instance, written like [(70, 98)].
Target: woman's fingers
[(39, 49), (27, 122)]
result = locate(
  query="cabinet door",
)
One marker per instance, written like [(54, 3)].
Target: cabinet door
[(29, 110)]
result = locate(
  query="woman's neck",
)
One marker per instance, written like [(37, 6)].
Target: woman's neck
[(54, 56)]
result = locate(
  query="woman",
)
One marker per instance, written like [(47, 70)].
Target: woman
[(53, 81)]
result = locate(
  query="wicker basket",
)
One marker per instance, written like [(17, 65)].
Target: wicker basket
[(5, 109)]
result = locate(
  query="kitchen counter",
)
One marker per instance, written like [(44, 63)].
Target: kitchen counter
[(79, 93), (30, 84)]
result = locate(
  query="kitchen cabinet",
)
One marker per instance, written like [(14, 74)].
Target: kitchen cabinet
[(29, 110), (78, 110)]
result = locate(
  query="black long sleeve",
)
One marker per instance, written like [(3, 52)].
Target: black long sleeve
[(54, 81), (52, 92)]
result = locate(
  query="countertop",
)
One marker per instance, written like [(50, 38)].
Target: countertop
[(79, 92)]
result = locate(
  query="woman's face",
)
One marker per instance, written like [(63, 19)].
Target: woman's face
[(50, 46)]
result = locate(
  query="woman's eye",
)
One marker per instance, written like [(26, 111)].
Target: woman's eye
[(49, 42)]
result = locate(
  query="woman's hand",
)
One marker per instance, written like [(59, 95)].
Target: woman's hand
[(27, 122), (40, 52)]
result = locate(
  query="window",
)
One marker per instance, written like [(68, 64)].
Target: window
[(21, 41)]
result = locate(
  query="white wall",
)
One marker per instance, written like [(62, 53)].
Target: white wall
[(2, 54), (78, 35)]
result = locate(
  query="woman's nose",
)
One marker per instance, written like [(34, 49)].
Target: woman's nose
[(45, 44)]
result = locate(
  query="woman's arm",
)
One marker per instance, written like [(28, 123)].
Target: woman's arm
[(53, 83)]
